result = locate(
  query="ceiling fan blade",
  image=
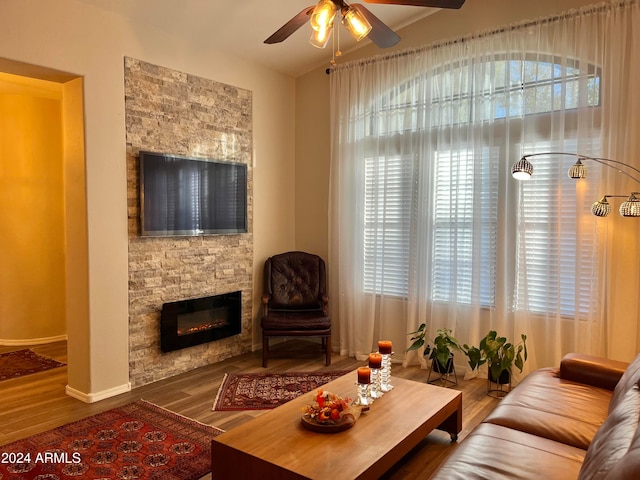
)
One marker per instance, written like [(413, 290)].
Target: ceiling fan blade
[(380, 34), (291, 26), (421, 3)]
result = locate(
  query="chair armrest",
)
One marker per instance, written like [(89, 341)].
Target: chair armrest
[(265, 304), (325, 304), (591, 370)]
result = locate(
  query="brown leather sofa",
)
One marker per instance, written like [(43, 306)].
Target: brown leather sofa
[(579, 421)]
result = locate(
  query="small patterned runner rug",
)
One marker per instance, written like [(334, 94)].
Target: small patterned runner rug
[(137, 441), (24, 362), (262, 391)]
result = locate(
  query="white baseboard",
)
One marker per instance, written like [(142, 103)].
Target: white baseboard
[(32, 341), (96, 397)]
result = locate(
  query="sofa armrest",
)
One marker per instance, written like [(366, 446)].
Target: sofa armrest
[(591, 370)]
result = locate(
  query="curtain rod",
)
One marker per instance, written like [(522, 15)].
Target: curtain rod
[(589, 9)]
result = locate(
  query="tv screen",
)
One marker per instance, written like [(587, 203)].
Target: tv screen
[(191, 196)]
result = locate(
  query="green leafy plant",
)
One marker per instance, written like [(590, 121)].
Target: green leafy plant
[(475, 356), (443, 345), (498, 353)]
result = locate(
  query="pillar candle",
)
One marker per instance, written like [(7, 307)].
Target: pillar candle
[(375, 360), (364, 375), (385, 347)]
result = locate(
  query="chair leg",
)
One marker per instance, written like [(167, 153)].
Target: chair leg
[(328, 352), (265, 350)]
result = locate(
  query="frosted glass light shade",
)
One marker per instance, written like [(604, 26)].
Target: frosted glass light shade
[(323, 15), (358, 26), (319, 38)]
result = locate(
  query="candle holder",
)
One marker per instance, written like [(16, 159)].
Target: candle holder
[(386, 350), (375, 388), (375, 364), (363, 395), (364, 383)]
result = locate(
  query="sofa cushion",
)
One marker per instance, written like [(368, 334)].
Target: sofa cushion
[(287, 321), (615, 449), (548, 406), (496, 452)]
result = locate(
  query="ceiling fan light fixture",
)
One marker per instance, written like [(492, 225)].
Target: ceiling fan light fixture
[(323, 15), (356, 23)]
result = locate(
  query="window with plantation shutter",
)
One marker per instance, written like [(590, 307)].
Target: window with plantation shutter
[(555, 272), (465, 223), (387, 219)]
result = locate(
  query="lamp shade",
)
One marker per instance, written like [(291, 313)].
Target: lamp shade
[(358, 26), (522, 169), (319, 38), (601, 208), (323, 15), (630, 208), (577, 170)]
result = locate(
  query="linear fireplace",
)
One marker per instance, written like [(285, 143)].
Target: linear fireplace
[(186, 323)]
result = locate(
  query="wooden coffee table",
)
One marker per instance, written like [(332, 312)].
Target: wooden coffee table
[(275, 445)]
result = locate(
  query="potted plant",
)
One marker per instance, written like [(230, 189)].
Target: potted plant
[(441, 353), (500, 355)]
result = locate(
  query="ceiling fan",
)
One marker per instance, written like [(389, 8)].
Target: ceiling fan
[(356, 18)]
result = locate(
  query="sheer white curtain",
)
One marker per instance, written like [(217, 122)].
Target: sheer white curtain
[(426, 222)]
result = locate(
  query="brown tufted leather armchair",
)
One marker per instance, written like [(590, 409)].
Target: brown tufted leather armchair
[(295, 301)]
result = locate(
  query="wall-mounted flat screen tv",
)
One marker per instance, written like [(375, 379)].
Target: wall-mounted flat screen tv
[(191, 196)]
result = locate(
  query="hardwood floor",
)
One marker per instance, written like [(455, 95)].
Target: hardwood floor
[(36, 403)]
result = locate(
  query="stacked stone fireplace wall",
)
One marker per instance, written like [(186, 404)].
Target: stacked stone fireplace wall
[(168, 111)]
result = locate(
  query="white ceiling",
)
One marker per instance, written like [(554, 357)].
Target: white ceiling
[(241, 26)]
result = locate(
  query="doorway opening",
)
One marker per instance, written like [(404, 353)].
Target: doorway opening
[(43, 284)]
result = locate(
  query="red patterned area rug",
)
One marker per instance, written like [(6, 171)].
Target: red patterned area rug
[(24, 362), (262, 391), (137, 441)]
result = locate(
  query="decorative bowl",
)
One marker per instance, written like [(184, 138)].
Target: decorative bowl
[(347, 419), (330, 413)]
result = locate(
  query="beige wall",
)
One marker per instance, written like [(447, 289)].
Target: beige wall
[(312, 163), (77, 258), (32, 247), (92, 42), (313, 135)]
